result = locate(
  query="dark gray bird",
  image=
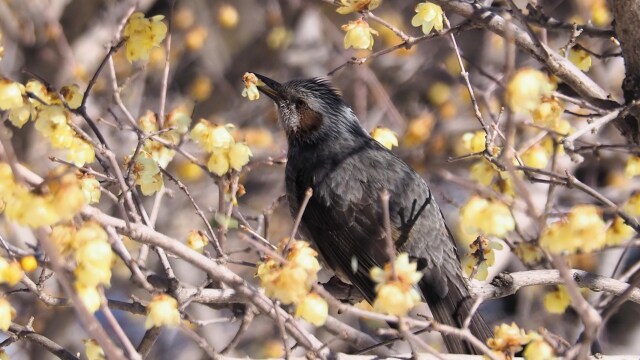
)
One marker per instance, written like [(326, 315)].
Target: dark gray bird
[(332, 154)]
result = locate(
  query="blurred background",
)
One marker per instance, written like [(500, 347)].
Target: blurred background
[(416, 92)]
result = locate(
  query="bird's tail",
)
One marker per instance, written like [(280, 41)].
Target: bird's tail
[(453, 309)]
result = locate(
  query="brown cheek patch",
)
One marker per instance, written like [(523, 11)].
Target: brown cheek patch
[(310, 120)]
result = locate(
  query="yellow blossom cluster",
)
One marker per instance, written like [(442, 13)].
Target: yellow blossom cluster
[(359, 35), (291, 281), (7, 313), (510, 339), (57, 199), (162, 311), (385, 136), (154, 155), (395, 291), (429, 16), (526, 88), (225, 153), (581, 230), (142, 35), (480, 257), (557, 302), (89, 247), (350, 6), (34, 101), (480, 216)]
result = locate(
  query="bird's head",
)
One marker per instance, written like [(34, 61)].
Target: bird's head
[(310, 110)]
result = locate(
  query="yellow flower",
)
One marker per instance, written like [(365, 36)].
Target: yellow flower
[(486, 217), (349, 6), (161, 154), (142, 34), (395, 298), (582, 230), (548, 112), (21, 114), (619, 232), (7, 312), (301, 254), (188, 171), (239, 154), (429, 16), (418, 130), (536, 156), (197, 240), (580, 58), (162, 311), (180, 118), (41, 92), (483, 172), (528, 253), (147, 173), (632, 167), (474, 142), (508, 339), (526, 89), (557, 302), (600, 13), (279, 37), (228, 16), (201, 88), (538, 350), (469, 263), (251, 83), (66, 196), (10, 272), (313, 309), (72, 95), (405, 271), (211, 137), (439, 93), (28, 263), (10, 94), (89, 296), (290, 282), (195, 38), (359, 35), (385, 136), (148, 122), (632, 206), (481, 255), (90, 187), (93, 350), (287, 283), (64, 237), (219, 162), (80, 152)]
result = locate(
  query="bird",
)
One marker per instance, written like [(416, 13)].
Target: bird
[(347, 170)]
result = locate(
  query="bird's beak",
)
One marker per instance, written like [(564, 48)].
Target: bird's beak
[(271, 88)]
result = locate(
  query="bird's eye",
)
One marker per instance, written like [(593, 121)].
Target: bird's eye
[(299, 103)]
